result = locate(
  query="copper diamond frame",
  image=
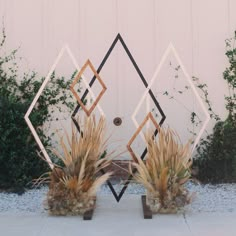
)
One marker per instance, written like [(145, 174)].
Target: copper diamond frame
[(149, 116), (78, 77)]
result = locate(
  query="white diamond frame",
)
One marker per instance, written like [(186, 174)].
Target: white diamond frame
[(172, 49), (31, 127)]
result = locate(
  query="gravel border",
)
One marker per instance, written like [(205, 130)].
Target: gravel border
[(209, 198)]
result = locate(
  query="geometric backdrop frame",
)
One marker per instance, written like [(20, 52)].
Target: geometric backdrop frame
[(148, 92), (117, 39)]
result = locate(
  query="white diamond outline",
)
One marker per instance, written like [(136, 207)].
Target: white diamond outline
[(172, 49), (31, 107)]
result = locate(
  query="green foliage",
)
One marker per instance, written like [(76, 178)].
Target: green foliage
[(216, 154), (216, 158), (205, 95), (230, 77), (19, 162)]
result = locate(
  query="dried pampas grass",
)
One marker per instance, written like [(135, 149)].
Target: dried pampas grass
[(165, 172), (73, 186)]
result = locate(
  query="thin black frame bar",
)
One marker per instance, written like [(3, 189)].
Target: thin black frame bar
[(119, 38)]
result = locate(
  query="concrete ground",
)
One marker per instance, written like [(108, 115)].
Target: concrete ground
[(123, 218)]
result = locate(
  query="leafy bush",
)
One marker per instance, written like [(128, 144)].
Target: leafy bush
[(216, 155), (216, 158), (19, 162)]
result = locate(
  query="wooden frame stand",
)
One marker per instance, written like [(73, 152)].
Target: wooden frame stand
[(147, 213), (88, 215)]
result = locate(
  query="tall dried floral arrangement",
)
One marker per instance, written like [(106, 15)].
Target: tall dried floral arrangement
[(73, 185), (164, 172)]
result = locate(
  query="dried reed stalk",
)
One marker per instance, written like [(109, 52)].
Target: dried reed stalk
[(165, 171), (73, 186)]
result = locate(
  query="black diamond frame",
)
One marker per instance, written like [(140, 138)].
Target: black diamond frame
[(119, 38)]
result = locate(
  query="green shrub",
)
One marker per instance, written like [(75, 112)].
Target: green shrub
[(216, 158), (19, 162), (216, 154)]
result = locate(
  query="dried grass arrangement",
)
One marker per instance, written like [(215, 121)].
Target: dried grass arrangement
[(73, 186), (165, 171)]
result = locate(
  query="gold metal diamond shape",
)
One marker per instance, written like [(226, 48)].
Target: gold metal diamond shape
[(78, 77), (149, 116)]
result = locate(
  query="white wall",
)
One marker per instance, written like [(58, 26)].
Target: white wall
[(197, 29)]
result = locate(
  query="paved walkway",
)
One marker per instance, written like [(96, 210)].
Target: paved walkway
[(124, 218)]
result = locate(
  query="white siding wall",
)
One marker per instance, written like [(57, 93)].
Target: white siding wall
[(197, 29)]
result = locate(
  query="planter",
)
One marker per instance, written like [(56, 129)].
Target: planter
[(61, 201), (167, 205), (153, 202)]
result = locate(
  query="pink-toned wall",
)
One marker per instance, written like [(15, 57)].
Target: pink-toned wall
[(196, 28)]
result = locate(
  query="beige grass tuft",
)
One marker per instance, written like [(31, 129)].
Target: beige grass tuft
[(73, 186), (165, 172)]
